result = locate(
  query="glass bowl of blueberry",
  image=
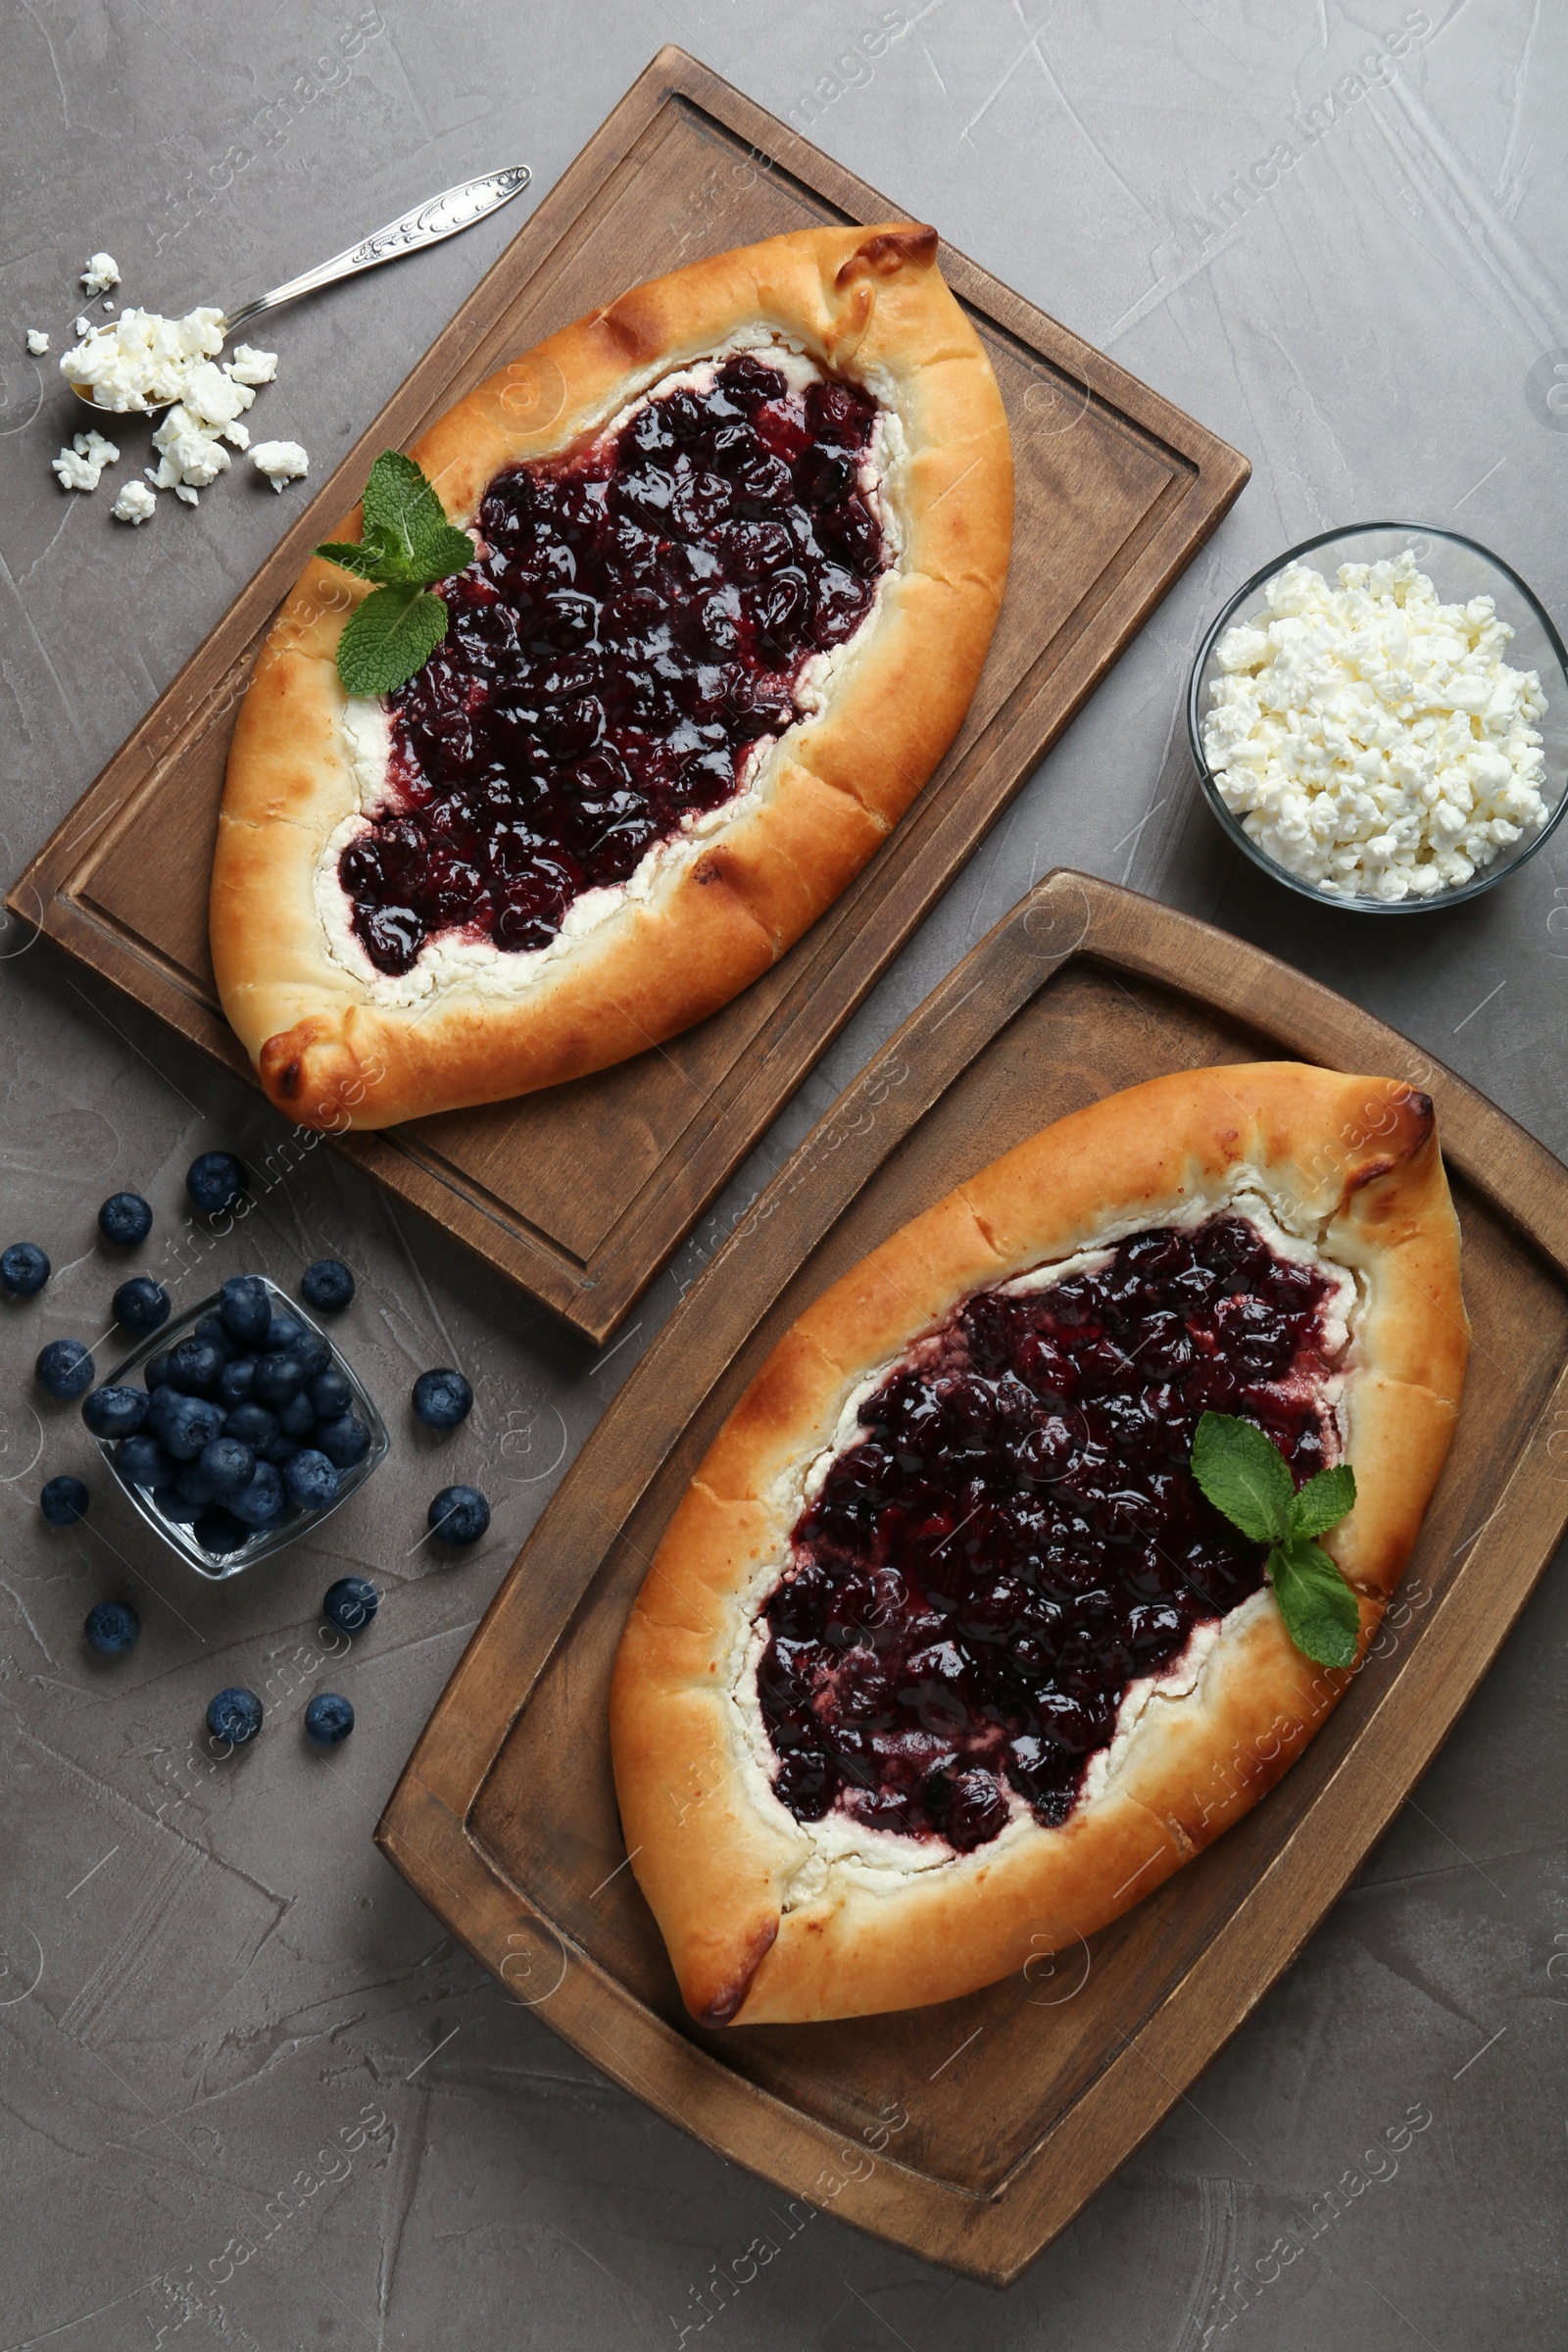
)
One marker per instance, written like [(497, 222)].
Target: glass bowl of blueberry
[(237, 1429)]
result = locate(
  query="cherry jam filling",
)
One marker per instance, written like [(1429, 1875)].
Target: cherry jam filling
[(636, 617), (1015, 1535)]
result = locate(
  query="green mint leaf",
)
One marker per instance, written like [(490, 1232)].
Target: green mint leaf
[(1243, 1476), (1317, 1605), (403, 513), (364, 562), (394, 633), (1323, 1501)]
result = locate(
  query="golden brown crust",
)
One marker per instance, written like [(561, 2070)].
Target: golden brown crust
[(331, 1050), (757, 1929)]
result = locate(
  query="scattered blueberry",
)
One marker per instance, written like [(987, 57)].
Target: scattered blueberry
[(350, 1603), (125, 1218), (213, 1332), (251, 1423), (277, 1379), (330, 1394), (215, 1182), (442, 1398), (326, 1286), (24, 1269), (142, 1305), (246, 1306), (114, 1411), (184, 1424), (196, 1367), (284, 1334), (344, 1441), (227, 1465), (328, 1718), (236, 1379), (310, 1481), (261, 1502), (155, 1371), (459, 1515), (64, 1502), (65, 1368), (113, 1628), (219, 1531), (235, 1714), (144, 1462)]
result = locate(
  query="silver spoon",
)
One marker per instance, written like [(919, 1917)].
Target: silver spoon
[(441, 216)]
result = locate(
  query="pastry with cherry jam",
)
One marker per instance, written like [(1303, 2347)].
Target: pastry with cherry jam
[(946, 1653), (739, 545)]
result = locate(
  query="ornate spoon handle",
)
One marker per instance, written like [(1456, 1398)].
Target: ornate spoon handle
[(441, 216)]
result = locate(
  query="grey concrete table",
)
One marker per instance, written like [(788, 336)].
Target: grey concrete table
[(249, 2087)]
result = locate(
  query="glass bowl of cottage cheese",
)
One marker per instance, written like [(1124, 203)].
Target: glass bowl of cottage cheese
[(1380, 718)]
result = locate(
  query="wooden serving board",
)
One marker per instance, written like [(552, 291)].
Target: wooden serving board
[(581, 1194), (971, 2133)]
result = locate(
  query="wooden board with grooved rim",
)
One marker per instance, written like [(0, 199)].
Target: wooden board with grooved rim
[(971, 2133), (582, 1194)]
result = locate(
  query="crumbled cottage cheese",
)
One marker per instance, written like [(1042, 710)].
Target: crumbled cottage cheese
[(1371, 739), (37, 342), (280, 462), (144, 361), (102, 272), (79, 466), (135, 502)]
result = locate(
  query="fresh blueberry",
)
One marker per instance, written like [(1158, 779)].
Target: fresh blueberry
[(279, 1450), (330, 1394), (236, 1379), (183, 1424), (196, 1367), (143, 1462), (194, 1484), (142, 1305), (344, 1441), (64, 1502), (328, 1719), (246, 1306), (283, 1334), (261, 1502), (125, 1218), (227, 1465), (171, 1502), (251, 1423), (297, 1418), (155, 1371), (215, 1182), (277, 1379), (351, 1603), (24, 1269), (310, 1481), (235, 1714), (213, 1332), (459, 1515), (442, 1398), (113, 1628), (219, 1531), (65, 1368), (312, 1354), (114, 1412), (326, 1286)]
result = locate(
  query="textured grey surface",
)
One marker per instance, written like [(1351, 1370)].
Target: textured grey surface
[(226, 2024)]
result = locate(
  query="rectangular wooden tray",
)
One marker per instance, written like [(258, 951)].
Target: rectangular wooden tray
[(581, 1194), (971, 2133)]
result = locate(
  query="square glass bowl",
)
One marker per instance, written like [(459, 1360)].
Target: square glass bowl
[(1458, 570), (263, 1541)]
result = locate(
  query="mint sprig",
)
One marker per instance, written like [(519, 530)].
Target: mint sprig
[(407, 545), (1247, 1478)]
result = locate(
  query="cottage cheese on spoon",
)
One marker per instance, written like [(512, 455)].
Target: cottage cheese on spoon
[(1371, 739)]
